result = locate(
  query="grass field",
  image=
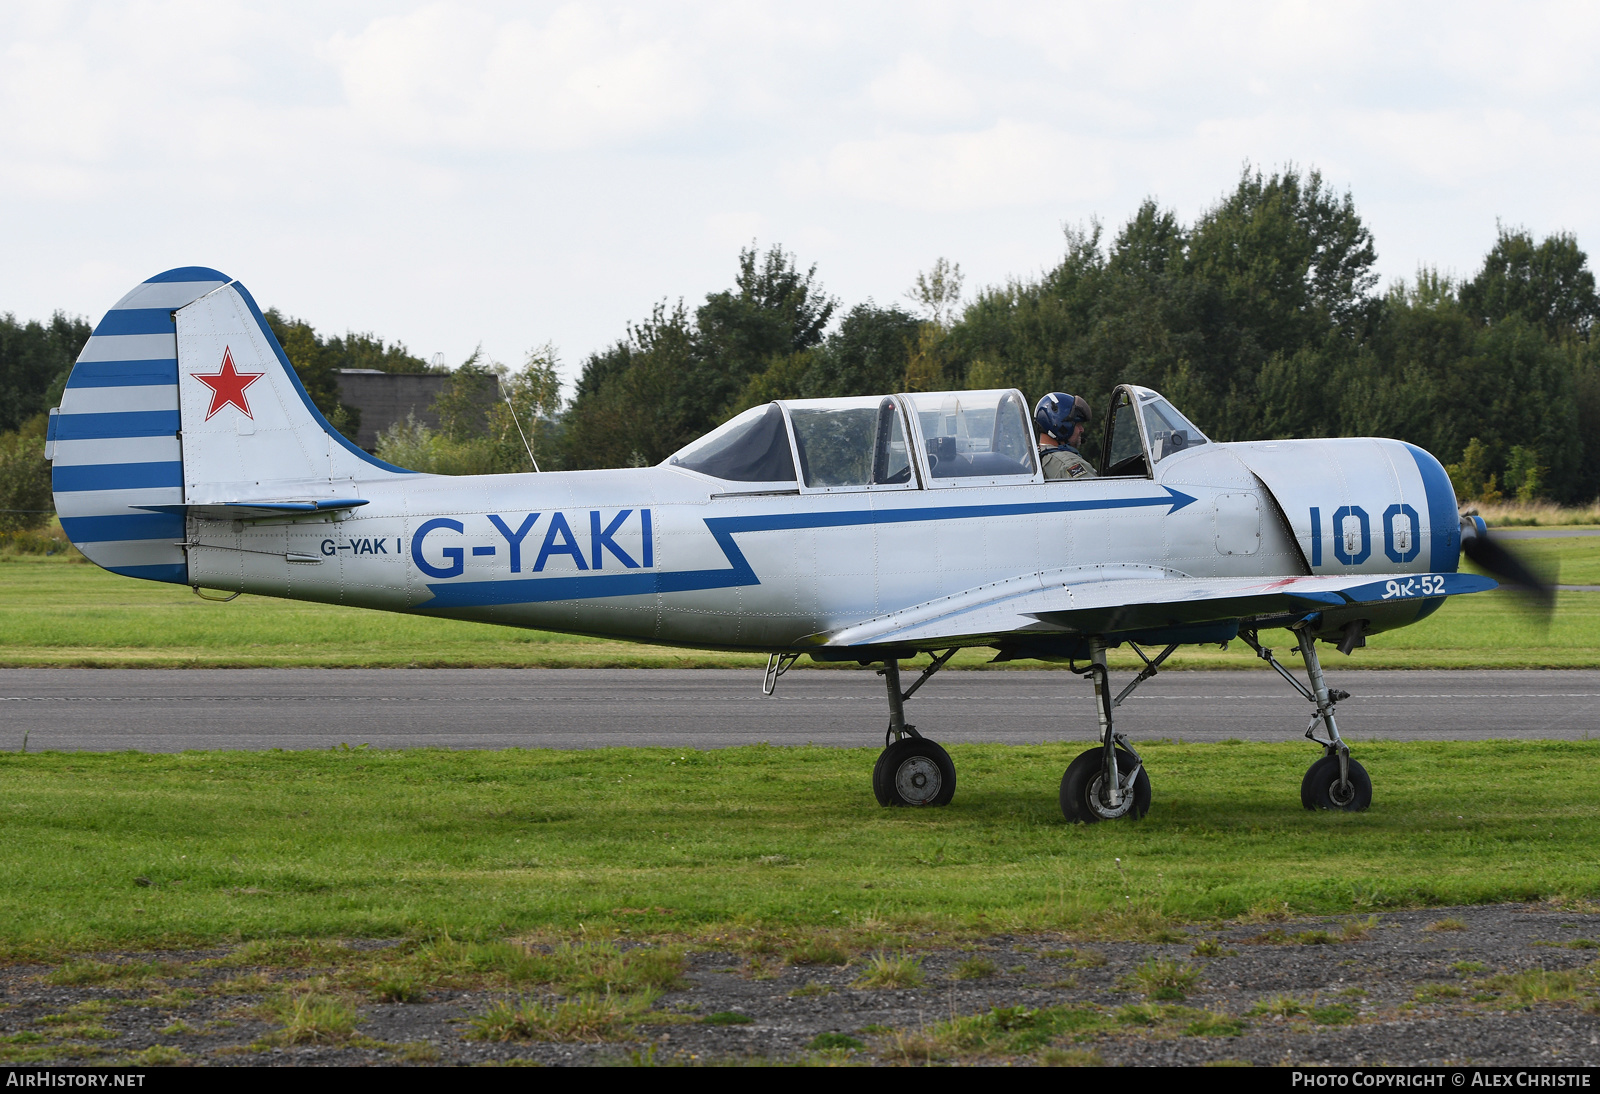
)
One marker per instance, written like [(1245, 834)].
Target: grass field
[(55, 611), (144, 850)]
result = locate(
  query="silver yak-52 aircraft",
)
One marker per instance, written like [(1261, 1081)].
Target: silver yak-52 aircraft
[(867, 529)]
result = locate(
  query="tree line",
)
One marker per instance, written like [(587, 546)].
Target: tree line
[(1262, 318)]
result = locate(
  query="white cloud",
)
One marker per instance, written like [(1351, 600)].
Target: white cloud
[(454, 76), (919, 91), (735, 228), (517, 171), (1009, 163)]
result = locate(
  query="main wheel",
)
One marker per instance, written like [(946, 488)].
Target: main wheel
[(914, 771), (1320, 788), (1082, 796)]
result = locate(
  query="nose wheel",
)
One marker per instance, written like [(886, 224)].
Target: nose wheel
[(1085, 793), (1335, 781), (1323, 788), (1108, 782)]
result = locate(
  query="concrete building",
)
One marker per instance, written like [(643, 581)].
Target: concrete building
[(387, 397)]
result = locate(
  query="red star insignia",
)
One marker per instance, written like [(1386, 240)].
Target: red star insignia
[(227, 386)]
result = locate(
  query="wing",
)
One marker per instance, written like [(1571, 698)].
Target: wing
[(1132, 601)]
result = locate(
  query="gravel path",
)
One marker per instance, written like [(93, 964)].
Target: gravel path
[(1495, 985)]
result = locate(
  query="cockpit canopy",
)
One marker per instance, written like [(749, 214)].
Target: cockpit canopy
[(932, 439), (1141, 423)]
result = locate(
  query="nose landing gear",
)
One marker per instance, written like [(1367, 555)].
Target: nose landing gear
[(1334, 781), (1084, 790), (1109, 781)]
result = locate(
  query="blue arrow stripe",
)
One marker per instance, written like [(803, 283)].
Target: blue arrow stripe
[(540, 590)]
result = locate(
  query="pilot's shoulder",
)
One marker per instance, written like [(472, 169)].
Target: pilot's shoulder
[(1066, 465)]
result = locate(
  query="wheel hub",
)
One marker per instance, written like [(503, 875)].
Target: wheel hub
[(918, 780), (1097, 800)]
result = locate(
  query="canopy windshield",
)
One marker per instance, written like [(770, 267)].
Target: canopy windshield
[(972, 434), (1168, 430), (753, 447)]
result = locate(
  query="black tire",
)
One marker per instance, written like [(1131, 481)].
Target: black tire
[(1319, 789), (914, 771), (1083, 780), (1307, 798)]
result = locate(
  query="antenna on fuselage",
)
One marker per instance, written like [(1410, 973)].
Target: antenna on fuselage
[(506, 395)]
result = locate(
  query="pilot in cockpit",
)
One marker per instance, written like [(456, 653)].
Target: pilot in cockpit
[(1059, 419)]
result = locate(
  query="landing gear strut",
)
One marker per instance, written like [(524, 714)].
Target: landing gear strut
[(911, 770), (1108, 781), (1335, 781)]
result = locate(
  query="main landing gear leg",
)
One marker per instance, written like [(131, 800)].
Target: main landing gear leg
[(1335, 781), (1108, 781), (911, 770)]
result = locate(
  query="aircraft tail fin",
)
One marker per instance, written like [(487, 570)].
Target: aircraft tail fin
[(182, 404)]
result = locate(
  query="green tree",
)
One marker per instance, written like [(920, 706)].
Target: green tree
[(1272, 283), (1280, 265), (464, 404), (938, 291), (1524, 475), (25, 499), (634, 404), (867, 355), (1473, 474), (34, 361), (671, 380), (773, 311), (492, 421), (1548, 284)]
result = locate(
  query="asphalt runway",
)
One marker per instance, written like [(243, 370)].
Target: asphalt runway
[(172, 710)]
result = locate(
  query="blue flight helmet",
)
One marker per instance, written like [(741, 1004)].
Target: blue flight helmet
[(1058, 414)]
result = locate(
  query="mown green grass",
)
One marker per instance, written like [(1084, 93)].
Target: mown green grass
[(130, 849), (56, 612)]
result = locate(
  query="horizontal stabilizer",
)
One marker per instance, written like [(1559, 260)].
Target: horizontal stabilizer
[(256, 510)]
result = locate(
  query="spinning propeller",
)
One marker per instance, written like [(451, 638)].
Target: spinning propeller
[(1506, 566)]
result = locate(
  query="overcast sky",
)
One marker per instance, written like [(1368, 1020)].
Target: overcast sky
[(445, 174)]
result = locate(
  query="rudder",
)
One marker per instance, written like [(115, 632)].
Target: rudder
[(114, 441)]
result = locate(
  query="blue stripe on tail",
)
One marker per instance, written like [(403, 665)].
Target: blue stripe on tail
[(132, 526), (96, 427), (136, 321), (124, 373), (187, 273), (116, 476)]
